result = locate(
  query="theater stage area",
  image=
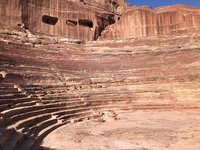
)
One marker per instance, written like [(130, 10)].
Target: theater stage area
[(134, 130)]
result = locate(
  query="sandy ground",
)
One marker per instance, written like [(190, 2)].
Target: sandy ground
[(138, 130)]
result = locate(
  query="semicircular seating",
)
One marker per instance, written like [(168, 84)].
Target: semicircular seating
[(45, 87)]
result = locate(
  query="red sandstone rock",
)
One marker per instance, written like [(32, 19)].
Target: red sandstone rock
[(86, 19), (46, 84), (145, 21), (73, 19)]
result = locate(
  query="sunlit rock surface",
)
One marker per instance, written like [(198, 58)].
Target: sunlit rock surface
[(131, 93), (74, 19), (144, 21), (44, 87)]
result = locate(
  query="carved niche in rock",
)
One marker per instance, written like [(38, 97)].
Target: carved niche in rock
[(73, 19)]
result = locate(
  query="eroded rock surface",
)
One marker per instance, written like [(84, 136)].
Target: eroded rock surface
[(85, 20), (73, 19), (144, 21)]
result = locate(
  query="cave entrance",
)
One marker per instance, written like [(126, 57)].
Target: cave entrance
[(81, 22), (49, 20), (71, 22), (87, 23)]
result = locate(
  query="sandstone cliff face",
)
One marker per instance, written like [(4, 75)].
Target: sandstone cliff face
[(144, 21), (86, 19), (73, 19), (10, 13)]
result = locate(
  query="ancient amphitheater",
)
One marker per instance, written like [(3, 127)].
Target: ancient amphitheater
[(98, 74)]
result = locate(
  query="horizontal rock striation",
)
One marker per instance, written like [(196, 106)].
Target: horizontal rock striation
[(144, 21)]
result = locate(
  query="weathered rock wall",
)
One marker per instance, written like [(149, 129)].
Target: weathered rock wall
[(144, 22), (10, 13), (61, 18), (73, 19), (115, 6), (132, 24)]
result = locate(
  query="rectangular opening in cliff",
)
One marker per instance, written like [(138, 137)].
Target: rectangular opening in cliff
[(86, 23), (49, 20), (71, 22)]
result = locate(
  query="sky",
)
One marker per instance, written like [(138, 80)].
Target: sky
[(157, 3)]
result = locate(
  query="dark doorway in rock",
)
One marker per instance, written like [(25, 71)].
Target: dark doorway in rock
[(49, 20), (19, 24), (71, 22), (87, 23)]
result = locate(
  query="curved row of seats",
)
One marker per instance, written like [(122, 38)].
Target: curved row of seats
[(28, 115)]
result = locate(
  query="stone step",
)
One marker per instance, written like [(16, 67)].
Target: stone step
[(48, 97), (11, 112), (105, 101), (18, 117), (97, 97), (4, 107), (68, 104), (63, 100), (165, 106), (7, 91), (33, 88), (33, 131), (11, 96), (71, 96), (37, 93), (61, 113), (25, 67), (13, 106), (79, 117), (74, 101), (45, 124), (67, 112), (70, 109), (26, 104), (6, 86), (16, 100), (25, 124), (76, 116), (16, 73), (34, 144)]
